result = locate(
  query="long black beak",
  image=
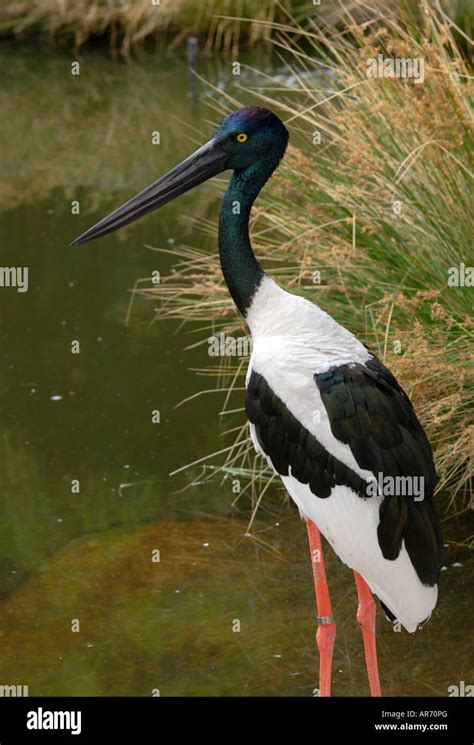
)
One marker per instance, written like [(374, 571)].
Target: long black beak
[(202, 165)]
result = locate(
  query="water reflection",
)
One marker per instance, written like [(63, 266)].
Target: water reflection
[(216, 615)]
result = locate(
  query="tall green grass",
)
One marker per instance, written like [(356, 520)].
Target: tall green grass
[(366, 216)]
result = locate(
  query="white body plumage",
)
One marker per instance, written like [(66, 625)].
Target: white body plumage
[(292, 341)]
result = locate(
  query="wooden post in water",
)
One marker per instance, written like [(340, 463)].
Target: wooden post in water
[(192, 53)]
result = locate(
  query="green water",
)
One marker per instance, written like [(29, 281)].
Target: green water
[(83, 560)]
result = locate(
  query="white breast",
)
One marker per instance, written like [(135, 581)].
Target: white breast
[(292, 340)]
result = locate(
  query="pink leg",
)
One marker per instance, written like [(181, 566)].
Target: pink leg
[(366, 621), (326, 632)]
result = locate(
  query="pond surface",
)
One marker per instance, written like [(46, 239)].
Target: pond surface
[(84, 608)]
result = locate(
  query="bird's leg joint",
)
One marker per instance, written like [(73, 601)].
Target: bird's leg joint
[(366, 613), (326, 634)]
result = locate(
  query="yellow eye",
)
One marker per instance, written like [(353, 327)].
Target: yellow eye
[(242, 137)]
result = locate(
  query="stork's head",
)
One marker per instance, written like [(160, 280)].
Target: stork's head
[(251, 135), (247, 137)]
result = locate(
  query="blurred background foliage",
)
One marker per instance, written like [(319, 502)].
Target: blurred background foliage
[(224, 26)]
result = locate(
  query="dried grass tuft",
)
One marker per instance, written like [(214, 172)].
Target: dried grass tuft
[(330, 209)]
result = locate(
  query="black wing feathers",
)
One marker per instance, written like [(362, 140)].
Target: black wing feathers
[(287, 443), (372, 414)]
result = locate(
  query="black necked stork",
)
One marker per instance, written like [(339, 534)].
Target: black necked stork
[(329, 417)]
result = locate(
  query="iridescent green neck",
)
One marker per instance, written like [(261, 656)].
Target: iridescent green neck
[(241, 270)]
